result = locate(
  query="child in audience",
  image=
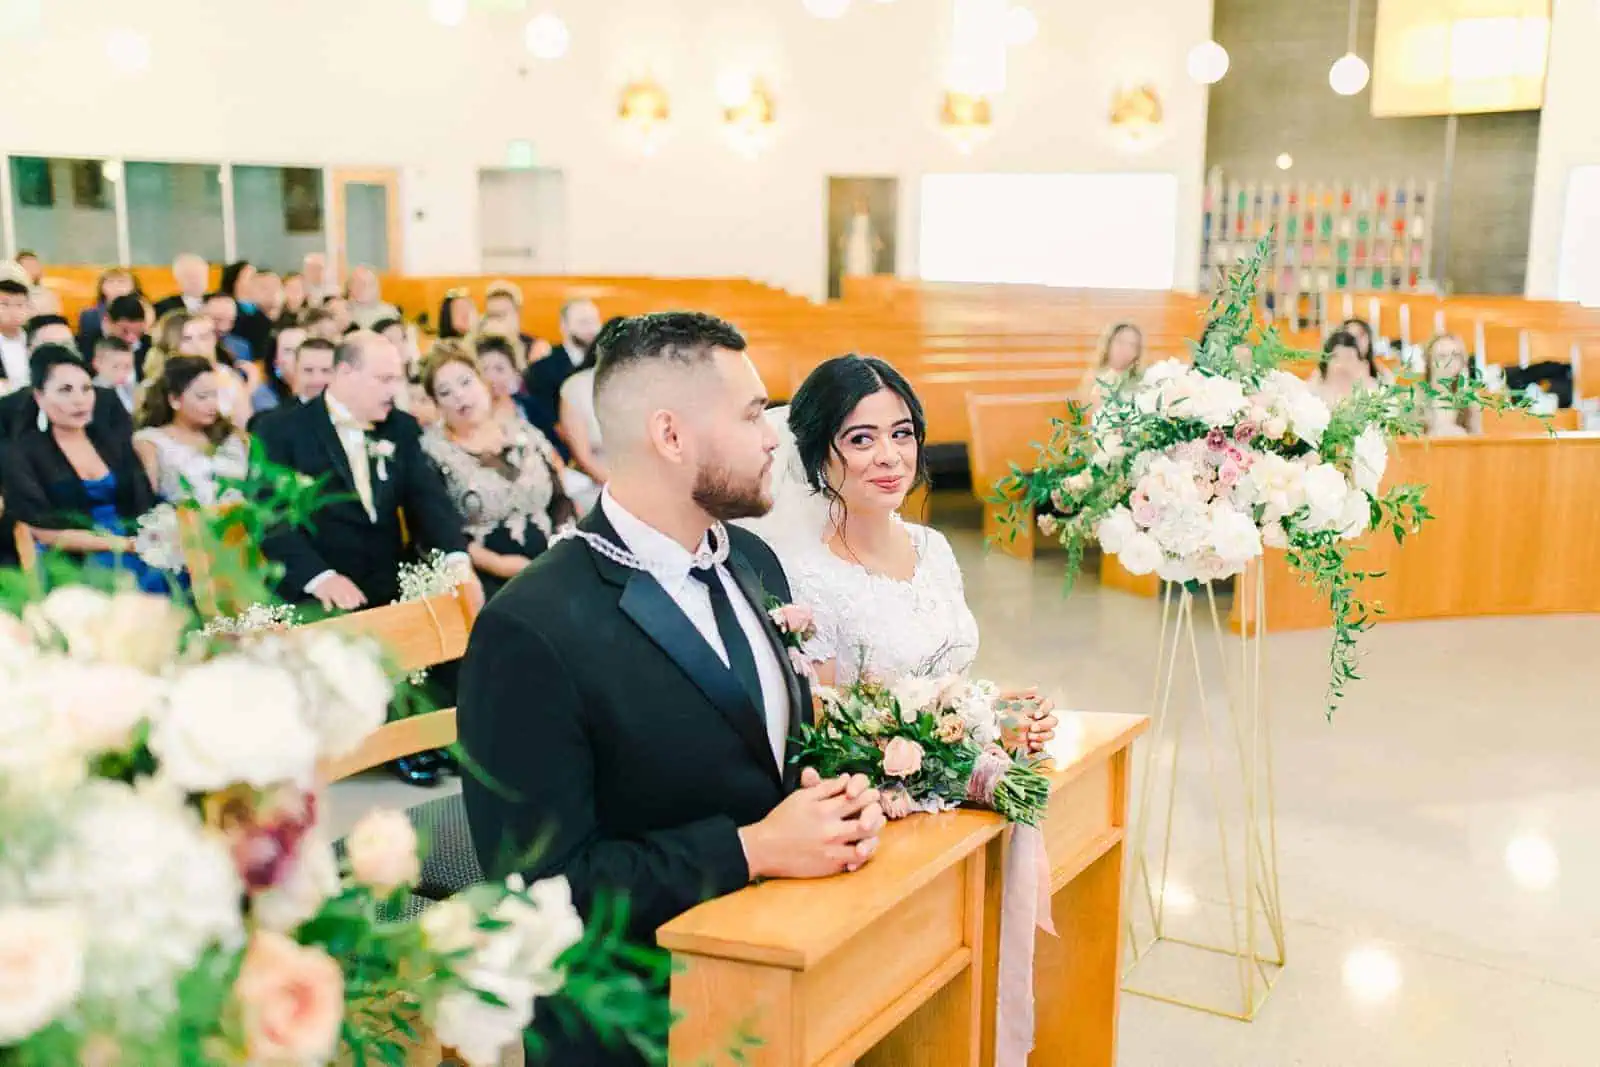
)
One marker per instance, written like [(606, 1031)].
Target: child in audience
[(1121, 352), (113, 368)]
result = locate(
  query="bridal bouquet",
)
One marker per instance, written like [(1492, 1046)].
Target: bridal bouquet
[(1190, 471), (928, 743), (169, 895)]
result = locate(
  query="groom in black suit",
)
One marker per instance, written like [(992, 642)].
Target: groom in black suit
[(627, 696)]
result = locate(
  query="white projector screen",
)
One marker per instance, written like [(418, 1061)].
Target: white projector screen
[(1091, 231)]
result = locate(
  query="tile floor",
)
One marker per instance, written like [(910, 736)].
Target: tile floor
[(1439, 839)]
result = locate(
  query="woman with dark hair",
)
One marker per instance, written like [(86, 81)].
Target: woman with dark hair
[(77, 483), (253, 326), (1343, 370), (458, 315), (184, 441), (887, 595), (1361, 330)]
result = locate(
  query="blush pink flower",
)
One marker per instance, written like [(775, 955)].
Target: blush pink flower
[(951, 728), (1217, 440), (383, 851), (792, 618), (292, 1001), (896, 803), (1245, 432), (1230, 473), (902, 758), (802, 666), (1144, 512)]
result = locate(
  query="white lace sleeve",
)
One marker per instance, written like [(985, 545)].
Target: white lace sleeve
[(808, 587)]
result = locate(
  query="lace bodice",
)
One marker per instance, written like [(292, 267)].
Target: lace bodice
[(179, 465), (874, 624), (511, 489)]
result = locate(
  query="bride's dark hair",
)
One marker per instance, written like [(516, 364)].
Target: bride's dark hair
[(825, 400)]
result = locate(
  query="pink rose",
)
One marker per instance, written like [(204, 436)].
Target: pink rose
[(1244, 432), (292, 1001), (792, 618), (951, 728), (383, 852), (902, 758), (1230, 473), (896, 803), (1145, 514), (1216, 440)]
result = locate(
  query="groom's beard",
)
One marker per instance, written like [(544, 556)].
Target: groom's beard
[(722, 499)]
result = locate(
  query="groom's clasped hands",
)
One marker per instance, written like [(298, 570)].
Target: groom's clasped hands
[(827, 826)]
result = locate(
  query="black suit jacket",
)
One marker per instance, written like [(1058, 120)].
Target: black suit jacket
[(616, 748), (341, 536), (42, 489), (544, 379)]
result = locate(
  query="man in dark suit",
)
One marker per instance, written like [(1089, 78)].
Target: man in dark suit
[(373, 453), (124, 320), (627, 696), (580, 323), (194, 276)]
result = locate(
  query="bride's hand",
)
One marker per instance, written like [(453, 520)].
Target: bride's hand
[(1032, 730)]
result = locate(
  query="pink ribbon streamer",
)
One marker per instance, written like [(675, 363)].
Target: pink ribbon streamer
[(1024, 907)]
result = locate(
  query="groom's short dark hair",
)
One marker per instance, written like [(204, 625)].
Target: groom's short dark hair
[(682, 337)]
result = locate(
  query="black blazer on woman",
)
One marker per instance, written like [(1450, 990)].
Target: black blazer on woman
[(41, 488), (341, 536)]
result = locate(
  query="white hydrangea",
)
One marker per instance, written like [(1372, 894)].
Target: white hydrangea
[(1140, 554), (1370, 461), (1114, 529), (1234, 537), (1210, 399), (1326, 492), (232, 721), (133, 629), (154, 888), (351, 690), (1278, 485), (99, 704), (41, 967), (39, 756), (1356, 518)]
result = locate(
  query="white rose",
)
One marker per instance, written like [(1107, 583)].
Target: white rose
[(477, 1030), (1279, 485), (1356, 517), (539, 930), (234, 721), (351, 673), (1234, 537), (383, 852), (1114, 529), (450, 926), (1273, 535), (311, 881), (1212, 400), (38, 754), (1326, 491), (134, 629), (41, 968), (1308, 416), (1109, 448), (1139, 554), (1370, 461), (1165, 370), (99, 704), (915, 694), (1275, 426)]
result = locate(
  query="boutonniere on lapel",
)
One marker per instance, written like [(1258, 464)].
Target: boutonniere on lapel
[(380, 452), (797, 626)]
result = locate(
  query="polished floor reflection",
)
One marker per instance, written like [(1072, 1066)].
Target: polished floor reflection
[(1439, 839)]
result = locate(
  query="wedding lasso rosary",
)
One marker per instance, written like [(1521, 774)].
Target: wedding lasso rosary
[(703, 559)]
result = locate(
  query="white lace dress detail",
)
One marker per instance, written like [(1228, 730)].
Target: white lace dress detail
[(873, 624), (179, 465)]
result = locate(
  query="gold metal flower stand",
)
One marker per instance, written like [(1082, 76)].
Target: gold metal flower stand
[(1210, 738)]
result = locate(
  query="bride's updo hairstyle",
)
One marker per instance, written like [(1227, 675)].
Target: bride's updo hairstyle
[(825, 400)]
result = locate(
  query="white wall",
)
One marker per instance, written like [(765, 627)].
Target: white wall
[(1569, 137), (375, 82)]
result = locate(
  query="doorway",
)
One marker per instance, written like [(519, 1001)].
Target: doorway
[(522, 221), (366, 205)]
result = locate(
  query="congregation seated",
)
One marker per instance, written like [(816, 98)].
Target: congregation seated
[(1343, 370), (580, 324), (339, 310), (114, 369), (1448, 366), (499, 359), (321, 322), (275, 373), (306, 372), (113, 282), (180, 333), (367, 307), (128, 320), (1121, 355), (503, 476), (1361, 330), (502, 313), (580, 428), (182, 438), (296, 302), (73, 478), (193, 277), (50, 329), (319, 288), (223, 311)]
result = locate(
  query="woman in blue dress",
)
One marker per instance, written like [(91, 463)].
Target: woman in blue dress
[(78, 485)]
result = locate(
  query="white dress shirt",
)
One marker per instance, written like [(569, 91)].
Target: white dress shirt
[(669, 564), (14, 353)]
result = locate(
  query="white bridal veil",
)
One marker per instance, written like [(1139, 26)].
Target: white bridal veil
[(799, 516)]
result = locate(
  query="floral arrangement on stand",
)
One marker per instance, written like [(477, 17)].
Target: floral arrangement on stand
[(169, 896), (1191, 470), (927, 743)]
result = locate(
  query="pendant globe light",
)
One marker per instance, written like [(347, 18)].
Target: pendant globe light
[(1350, 73), (1207, 62)]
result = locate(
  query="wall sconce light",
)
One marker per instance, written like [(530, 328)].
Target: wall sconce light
[(966, 119), (1136, 113), (644, 110), (748, 113)]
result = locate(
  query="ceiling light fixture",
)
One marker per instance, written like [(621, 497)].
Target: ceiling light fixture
[(1207, 62), (1350, 73), (547, 37)]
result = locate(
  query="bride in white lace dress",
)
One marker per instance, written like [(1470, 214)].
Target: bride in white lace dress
[(887, 594)]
